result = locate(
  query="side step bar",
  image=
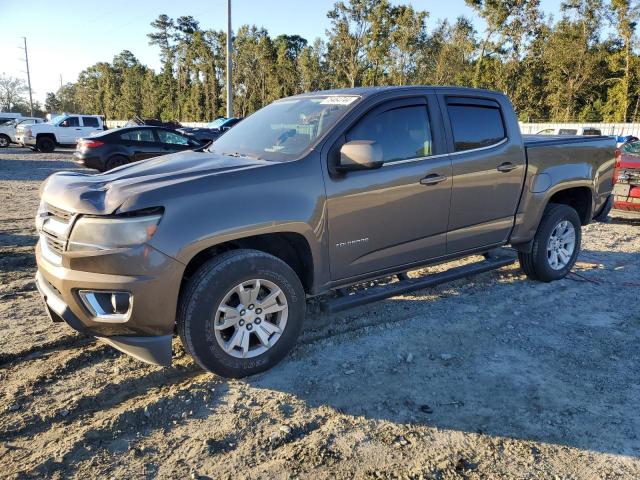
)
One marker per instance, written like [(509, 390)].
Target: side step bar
[(375, 294)]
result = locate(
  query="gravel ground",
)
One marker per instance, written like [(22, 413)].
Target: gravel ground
[(494, 376)]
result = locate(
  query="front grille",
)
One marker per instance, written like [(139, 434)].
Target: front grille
[(55, 244), (58, 213)]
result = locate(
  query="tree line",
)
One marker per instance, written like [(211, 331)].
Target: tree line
[(581, 66)]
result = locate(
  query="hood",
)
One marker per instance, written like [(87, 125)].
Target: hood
[(105, 193)]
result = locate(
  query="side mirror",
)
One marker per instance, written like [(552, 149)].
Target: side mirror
[(360, 155)]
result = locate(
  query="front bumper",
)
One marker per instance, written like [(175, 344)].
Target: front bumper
[(25, 140), (147, 332)]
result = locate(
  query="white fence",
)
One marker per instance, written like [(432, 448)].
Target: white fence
[(621, 129), (121, 123)]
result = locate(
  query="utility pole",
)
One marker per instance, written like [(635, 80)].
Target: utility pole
[(26, 59), (229, 62)]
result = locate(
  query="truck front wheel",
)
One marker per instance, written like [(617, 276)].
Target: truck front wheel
[(556, 245), (45, 145), (241, 313)]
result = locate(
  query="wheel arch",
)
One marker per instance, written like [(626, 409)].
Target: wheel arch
[(291, 247)]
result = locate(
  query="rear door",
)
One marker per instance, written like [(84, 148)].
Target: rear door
[(89, 125), (141, 143), (488, 165), (396, 215)]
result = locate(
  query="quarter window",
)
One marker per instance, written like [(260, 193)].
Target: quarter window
[(401, 132), (475, 125)]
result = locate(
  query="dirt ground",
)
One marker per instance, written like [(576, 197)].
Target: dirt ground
[(495, 376)]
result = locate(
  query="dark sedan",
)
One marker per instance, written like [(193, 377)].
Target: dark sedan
[(114, 148)]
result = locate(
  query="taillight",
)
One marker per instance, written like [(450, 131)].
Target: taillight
[(86, 143), (616, 168)]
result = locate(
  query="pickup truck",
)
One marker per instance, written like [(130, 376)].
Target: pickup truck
[(63, 130), (309, 195), (8, 129)]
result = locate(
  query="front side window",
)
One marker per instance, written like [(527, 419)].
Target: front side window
[(568, 131), (402, 132), (475, 125), (547, 131), (591, 131), (70, 122), (90, 122), (172, 138), (142, 135)]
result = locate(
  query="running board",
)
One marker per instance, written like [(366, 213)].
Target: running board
[(375, 294)]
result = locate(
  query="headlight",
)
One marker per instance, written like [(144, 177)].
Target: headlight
[(95, 233)]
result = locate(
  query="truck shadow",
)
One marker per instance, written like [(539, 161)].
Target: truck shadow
[(554, 363), (35, 170)]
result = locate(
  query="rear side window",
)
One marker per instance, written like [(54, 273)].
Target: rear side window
[(475, 125), (402, 132), (567, 131), (143, 135), (90, 122)]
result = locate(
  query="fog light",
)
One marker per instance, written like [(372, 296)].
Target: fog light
[(106, 306)]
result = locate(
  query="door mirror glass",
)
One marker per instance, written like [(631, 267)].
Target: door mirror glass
[(360, 155)]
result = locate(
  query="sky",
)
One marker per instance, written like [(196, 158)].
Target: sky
[(66, 36)]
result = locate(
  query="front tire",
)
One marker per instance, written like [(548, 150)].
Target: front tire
[(556, 245), (4, 141), (241, 313), (45, 145)]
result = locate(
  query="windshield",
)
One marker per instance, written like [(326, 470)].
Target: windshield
[(57, 119), (283, 130), (217, 123), (11, 123), (632, 148)]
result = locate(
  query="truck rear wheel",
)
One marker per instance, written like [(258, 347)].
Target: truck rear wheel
[(556, 245), (241, 313), (45, 145)]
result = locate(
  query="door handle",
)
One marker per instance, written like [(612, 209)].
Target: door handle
[(506, 167), (433, 179)]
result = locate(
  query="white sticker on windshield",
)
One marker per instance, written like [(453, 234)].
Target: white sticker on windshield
[(338, 100)]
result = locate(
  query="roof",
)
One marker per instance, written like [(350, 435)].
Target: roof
[(369, 91)]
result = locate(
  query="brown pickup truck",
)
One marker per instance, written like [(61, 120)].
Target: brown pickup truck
[(312, 193)]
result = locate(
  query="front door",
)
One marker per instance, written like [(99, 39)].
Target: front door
[(141, 143), (396, 215), (70, 130)]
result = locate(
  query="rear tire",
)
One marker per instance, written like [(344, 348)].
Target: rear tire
[(4, 141), (115, 162), (45, 145), (213, 313), (556, 245)]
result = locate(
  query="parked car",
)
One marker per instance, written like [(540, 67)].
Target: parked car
[(152, 122), (8, 116), (114, 148), (212, 131), (63, 130), (310, 194), (627, 177), (8, 129), (570, 131)]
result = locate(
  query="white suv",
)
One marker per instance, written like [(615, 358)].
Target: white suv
[(8, 129), (63, 130)]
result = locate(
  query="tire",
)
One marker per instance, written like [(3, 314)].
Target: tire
[(4, 141), (45, 145), (115, 162), (212, 288), (539, 263)]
